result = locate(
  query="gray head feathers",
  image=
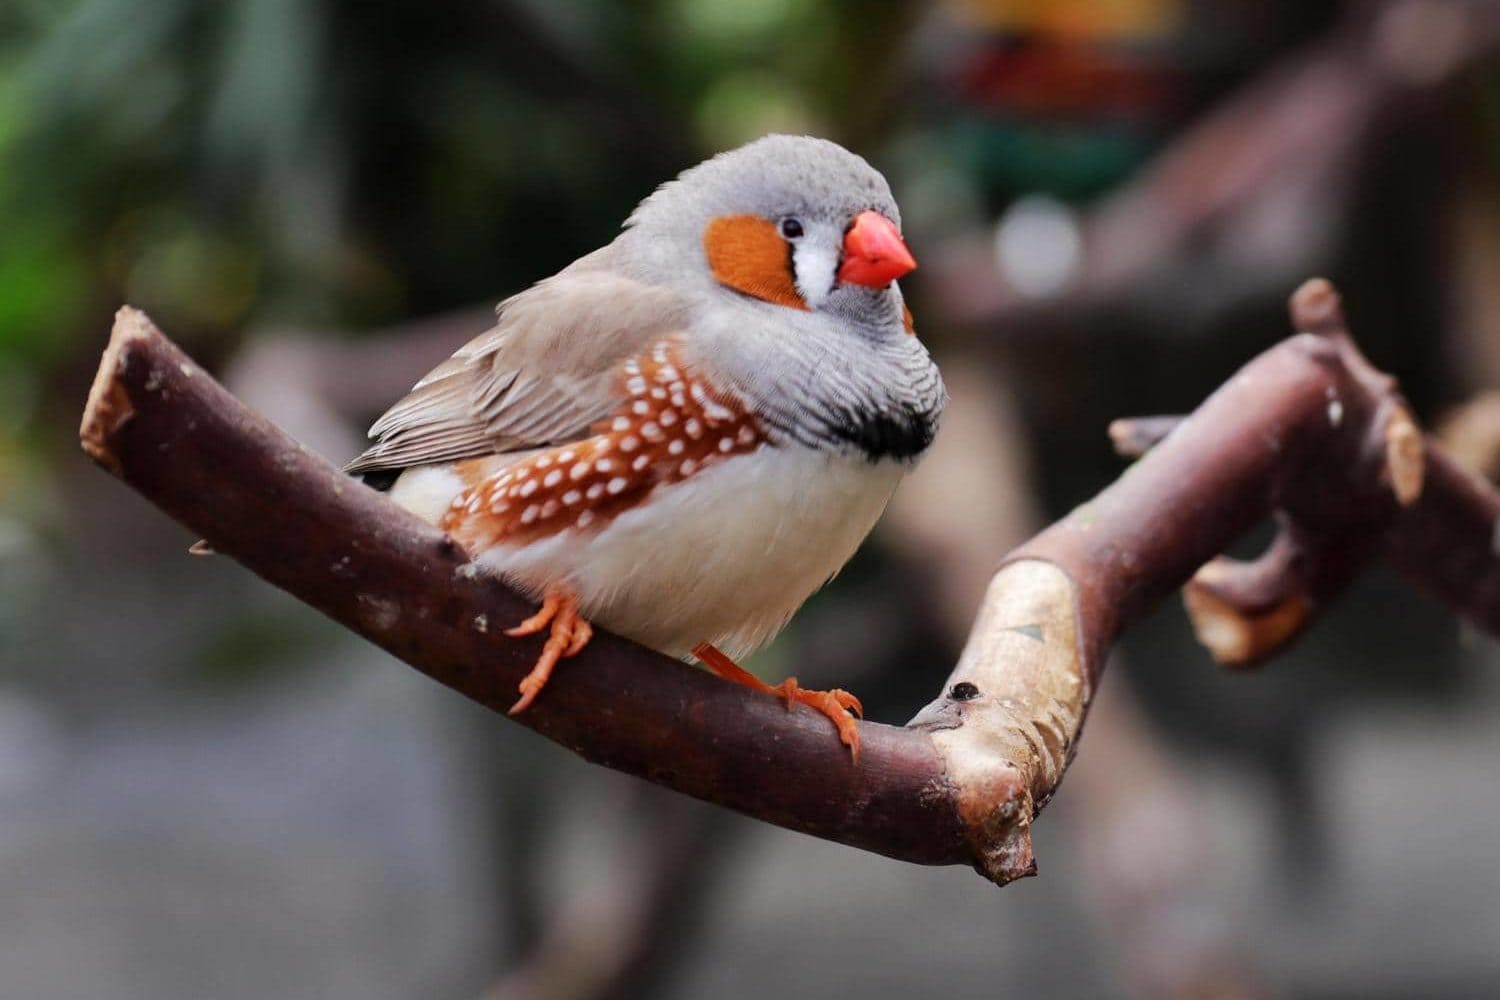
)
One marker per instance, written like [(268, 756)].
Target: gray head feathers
[(777, 175), (819, 183)]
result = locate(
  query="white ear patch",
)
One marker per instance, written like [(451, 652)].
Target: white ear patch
[(815, 259)]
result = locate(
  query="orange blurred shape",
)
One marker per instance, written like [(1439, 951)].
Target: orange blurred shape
[(1093, 20)]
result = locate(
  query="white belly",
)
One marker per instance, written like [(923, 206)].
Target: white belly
[(725, 557)]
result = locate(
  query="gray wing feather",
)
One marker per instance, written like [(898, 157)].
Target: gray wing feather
[(542, 375)]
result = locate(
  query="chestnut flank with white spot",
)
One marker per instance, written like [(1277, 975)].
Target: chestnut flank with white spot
[(667, 436)]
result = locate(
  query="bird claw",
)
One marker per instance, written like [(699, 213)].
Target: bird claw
[(568, 633), (545, 615), (836, 704)]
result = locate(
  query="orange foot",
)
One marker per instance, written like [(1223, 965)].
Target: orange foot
[(569, 634), (835, 704)]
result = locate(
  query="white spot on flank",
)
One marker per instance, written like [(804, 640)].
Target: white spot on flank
[(549, 508), (636, 385), (568, 454), (529, 514), (585, 518), (553, 478), (658, 393), (605, 464), (543, 460), (1335, 413), (580, 470), (687, 467), (699, 395), (650, 431), (641, 461), (675, 446), (667, 374), (694, 428), (620, 424), (630, 443), (617, 485), (640, 406), (499, 506), (595, 491), (714, 411), (746, 436), (667, 417), (528, 488), (632, 367), (726, 444), (571, 497)]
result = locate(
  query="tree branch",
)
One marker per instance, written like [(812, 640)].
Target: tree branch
[(960, 783)]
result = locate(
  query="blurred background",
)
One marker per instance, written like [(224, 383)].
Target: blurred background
[(206, 790)]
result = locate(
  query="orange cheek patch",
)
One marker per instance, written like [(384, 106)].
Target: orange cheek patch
[(747, 254), (672, 425), (907, 320)]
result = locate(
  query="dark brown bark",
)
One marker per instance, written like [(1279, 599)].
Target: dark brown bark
[(961, 783)]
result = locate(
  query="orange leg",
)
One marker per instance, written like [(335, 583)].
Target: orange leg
[(835, 704), (568, 633)]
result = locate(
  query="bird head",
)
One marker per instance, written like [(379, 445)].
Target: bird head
[(795, 221)]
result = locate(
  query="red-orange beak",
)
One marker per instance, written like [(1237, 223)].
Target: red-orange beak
[(874, 253)]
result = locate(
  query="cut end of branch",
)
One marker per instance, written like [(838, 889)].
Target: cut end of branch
[(108, 407), (1233, 635), (1404, 460), (1316, 307), (1003, 851), (1132, 437), (1470, 435)]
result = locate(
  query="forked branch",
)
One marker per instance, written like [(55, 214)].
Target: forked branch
[(1307, 431)]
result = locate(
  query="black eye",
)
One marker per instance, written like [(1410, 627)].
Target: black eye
[(791, 229)]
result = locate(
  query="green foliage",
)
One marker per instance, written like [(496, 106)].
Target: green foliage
[(337, 164)]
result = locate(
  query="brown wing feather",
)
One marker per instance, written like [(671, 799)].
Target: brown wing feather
[(543, 375)]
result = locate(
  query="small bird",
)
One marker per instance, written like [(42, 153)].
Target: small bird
[(682, 435)]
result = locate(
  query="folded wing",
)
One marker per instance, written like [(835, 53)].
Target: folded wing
[(544, 374)]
